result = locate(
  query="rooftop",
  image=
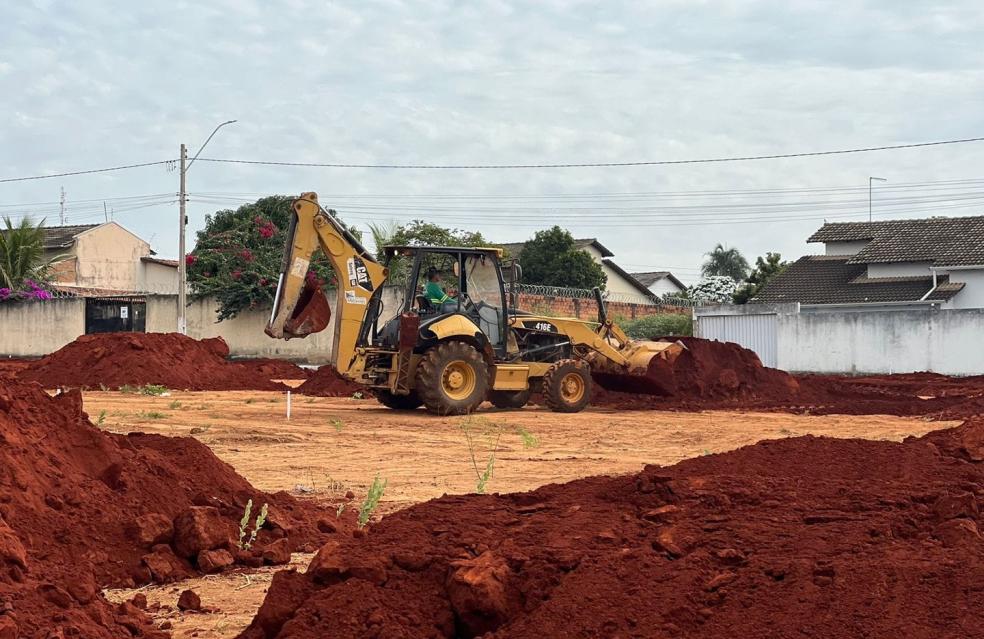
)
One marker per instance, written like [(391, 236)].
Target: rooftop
[(651, 277), (830, 279), (945, 241), (60, 237), (514, 249)]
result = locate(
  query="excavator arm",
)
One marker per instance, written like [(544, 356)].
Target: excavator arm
[(299, 306)]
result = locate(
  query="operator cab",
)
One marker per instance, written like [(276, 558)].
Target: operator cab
[(464, 281)]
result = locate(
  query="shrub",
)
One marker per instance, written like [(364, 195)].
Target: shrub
[(659, 325)]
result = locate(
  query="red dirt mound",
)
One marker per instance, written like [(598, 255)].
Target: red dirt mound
[(803, 537), (10, 366), (326, 382), (268, 368), (171, 359), (81, 509)]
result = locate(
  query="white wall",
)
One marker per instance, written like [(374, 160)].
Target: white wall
[(845, 248), (972, 295), (32, 329), (157, 278), (885, 341), (109, 257), (900, 269), (946, 341)]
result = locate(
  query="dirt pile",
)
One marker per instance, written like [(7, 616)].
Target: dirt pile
[(804, 537), (326, 382), (118, 359), (10, 366), (723, 375), (269, 368), (82, 509)]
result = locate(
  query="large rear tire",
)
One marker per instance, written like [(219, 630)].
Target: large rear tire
[(510, 399), (399, 402), (567, 386), (452, 379)]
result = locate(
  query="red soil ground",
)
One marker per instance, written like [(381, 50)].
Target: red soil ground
[(81, 509), (269, 368), (173, 360), (803, 537), (326, 382)]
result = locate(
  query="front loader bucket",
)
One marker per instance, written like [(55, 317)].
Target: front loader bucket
[(650, 368), (311, 315)]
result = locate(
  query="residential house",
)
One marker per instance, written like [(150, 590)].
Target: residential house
[(660, 283), (619, 280), (106, 258), (935, 262)]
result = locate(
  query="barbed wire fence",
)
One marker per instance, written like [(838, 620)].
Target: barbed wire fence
[(608, 296)]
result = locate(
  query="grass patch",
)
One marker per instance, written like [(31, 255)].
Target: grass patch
[(371, 501), (529, 439), (481, 433), (151, 414)]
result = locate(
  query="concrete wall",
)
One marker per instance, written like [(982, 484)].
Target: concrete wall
[(157, 278), (887, 341), (900, 269), (31, 329), (972, 295), (845, 248), (109, 257)]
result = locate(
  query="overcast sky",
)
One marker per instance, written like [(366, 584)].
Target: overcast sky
[(98, 84)]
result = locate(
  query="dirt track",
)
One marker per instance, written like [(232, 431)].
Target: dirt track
[(335, 445)]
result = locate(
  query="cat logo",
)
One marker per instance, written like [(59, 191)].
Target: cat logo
[(357, 274)]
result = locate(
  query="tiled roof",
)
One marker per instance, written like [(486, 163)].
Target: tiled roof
[(636, 284), (945, 241), (650, 278), (60, 237), (824, 279)]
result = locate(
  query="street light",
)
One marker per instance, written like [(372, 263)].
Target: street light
[(870, 180), (182, 222)]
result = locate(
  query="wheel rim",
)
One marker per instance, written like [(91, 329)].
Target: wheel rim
[(572, 388), (458, 380)]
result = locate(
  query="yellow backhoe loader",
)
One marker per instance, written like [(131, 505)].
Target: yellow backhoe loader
[(449, 356)]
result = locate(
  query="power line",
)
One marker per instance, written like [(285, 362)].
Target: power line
[(571, 165), (84, 172)]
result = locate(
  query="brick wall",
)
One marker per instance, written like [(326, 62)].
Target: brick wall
[(587, 309)]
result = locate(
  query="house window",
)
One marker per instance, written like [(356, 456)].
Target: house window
[(112, 315)]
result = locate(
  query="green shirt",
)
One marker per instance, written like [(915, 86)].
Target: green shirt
[(436, 294)]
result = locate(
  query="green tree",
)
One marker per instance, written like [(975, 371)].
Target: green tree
[(238, 256), (728, 262), (766, 267), (23, 266), (552, 258), (418, 233)]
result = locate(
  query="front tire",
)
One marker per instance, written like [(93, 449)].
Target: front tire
[(399, 402), (567, 386), (510, 399), (452, 379)]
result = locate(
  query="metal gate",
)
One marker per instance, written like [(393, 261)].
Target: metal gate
[(755, 331)]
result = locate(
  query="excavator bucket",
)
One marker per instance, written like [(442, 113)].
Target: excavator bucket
[(312, 313), (650, 368)]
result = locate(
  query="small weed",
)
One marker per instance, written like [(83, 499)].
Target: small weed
[(337, 424), (204, 406), (529, 439), (273, 401), (200, 430), (309, 400), (785, 432), (705, 452), (103, 387), (175, 405), (250, 400), (101, 419), (372, 501), (130, 390), (358, 395), (339, 510), (156, 390), (475, 428), (244, 542), (151, 414)]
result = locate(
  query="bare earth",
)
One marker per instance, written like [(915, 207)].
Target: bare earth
[(331, 446)]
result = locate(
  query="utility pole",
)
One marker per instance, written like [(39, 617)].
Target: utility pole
[(182, 223), (61, 210), (105, 212), (182, 266), (870, 179)]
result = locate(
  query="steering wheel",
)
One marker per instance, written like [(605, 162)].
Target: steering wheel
[(467, 302)]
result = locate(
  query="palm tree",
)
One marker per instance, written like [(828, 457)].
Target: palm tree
[(22, 254), (728, 262)]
